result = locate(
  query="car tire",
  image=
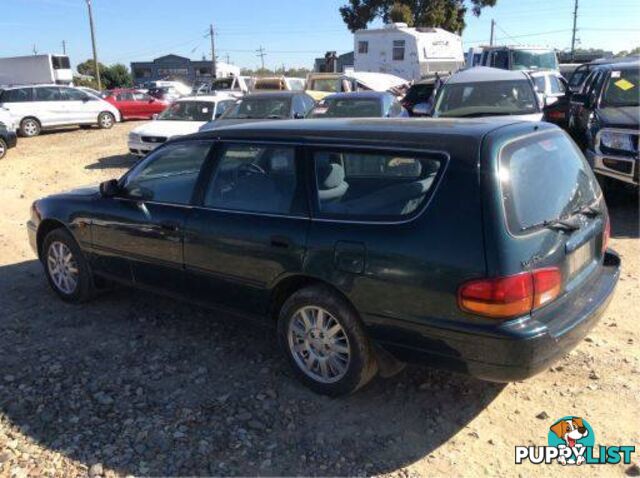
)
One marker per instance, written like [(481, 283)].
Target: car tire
[(325, 342), (30, 127), (106, 120), (66, 268), (3, 148)]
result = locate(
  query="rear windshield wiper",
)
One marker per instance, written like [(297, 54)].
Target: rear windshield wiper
[(558, 224)]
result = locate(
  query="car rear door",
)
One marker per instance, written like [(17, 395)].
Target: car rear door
[(250, 227), (50, 107)]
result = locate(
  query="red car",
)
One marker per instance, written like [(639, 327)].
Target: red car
[(135, 105)]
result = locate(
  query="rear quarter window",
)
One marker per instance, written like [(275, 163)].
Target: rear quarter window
[(543, 177), (16, 95), (373, 186)]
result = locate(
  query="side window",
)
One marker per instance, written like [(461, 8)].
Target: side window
[(169, 174), (557, 86), (223, 106), (372, 186), (17, 95), (363, 47), (500, 59), (395, 110), (71, 94), (255, 178), (48, 93), (398, 50), (298, 106), (140, 97), (124, 97), (309, 103), (538, 81)]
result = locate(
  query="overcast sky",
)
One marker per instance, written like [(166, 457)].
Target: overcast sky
[(293, 32)]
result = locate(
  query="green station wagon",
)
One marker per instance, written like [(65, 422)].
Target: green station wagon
[(474, 245)]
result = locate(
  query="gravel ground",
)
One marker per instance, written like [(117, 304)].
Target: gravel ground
[(132, 383)]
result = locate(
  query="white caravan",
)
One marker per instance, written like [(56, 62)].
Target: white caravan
[(409, 53), (36, 69)]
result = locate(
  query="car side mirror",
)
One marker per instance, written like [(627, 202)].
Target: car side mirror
[(421, 109), (109, 189), (298, 116)]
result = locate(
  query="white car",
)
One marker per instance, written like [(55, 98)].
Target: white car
[(550, 84), (38, 107), (185, 116)]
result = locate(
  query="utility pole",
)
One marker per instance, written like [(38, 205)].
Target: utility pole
[(573, 36), (213, 52), (35, 50), (64, 47), (261, 54), (93, 44), (493, 27), (228, 59)]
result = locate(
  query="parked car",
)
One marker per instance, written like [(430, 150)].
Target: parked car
[(320, 85), (604, 119), (168, 94), (483, 91), (133, 104), (581, 73), (368, 241), (369, 104), (279, 83), (513, 57), (185, 116), (423, 91), (39, 107), (550, 84), (273, 105), (234, 85), (8, 139)]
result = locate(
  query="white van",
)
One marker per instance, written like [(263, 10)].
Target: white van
[(38, 107)]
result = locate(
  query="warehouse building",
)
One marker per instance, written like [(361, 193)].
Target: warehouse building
[(175, 67)]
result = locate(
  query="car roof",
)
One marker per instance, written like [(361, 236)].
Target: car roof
[(271, 94), (361, 95), (486, 73), (420, 133), (480, 74), (627, 65), (219, 97)]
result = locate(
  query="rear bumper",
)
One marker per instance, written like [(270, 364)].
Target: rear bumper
[(517, 349), (622, 168)]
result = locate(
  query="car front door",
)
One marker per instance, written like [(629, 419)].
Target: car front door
[(249, 228), (77, 106), (126, 104), (138, 234)]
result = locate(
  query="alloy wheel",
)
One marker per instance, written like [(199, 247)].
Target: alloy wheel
[(106, 120), (30, 127), (62, 267), (319, 344)]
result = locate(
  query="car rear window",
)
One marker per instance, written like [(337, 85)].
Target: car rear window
[(543, 177), (373, 186)]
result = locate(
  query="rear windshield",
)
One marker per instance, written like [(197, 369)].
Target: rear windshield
[(348, 108), (486, 98), (544, 177), (419, 92)]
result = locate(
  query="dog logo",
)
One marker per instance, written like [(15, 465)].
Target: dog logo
[(571, 441), (573, 433)]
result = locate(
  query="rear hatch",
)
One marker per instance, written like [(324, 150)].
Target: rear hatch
[(546, 223)]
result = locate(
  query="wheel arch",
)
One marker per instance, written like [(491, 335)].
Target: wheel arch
[(44, 228), (287, 286)]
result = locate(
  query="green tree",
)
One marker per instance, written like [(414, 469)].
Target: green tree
[(88, 68), (117, 76), (447, 14)]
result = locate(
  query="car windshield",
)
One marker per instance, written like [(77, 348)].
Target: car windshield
[(534, 60), (348, 108), (260, 108), (513, 97), (325, 84), (188, 111), (222, 84), (622, 89)]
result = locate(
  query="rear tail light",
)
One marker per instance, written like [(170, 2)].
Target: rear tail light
[(555, 115), (606, 233), (511, 296)]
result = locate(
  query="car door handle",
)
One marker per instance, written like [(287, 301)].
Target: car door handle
[(280, 242), (169, 226)]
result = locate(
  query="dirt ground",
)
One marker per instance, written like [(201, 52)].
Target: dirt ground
[(136, 384)]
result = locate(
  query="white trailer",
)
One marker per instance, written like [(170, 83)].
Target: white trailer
[(36, 69), (410, 53)]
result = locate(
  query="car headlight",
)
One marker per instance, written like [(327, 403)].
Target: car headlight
[(619, 141)]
